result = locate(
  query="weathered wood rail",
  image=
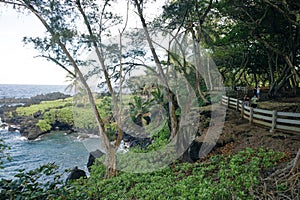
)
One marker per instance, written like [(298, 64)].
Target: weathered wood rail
[(274, 119)]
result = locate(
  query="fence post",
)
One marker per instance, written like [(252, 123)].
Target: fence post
[(274, 119), (228, 102), (221, 100), (242, 109), (237, 104), (251, 115)]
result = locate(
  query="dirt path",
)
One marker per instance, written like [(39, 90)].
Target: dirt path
[(238, 134)]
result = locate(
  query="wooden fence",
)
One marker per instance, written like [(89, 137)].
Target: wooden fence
[(287, 121), (230, 88)]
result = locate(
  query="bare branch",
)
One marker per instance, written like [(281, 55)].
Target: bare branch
[(58, 63), (120, 132), (13, 3), (81, 77), (283, 12)]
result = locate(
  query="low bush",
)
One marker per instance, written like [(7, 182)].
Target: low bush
[(218, 177)]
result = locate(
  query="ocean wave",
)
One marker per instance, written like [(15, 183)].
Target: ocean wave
[(84, 136), (20, 138)]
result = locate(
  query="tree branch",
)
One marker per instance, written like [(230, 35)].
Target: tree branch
[(58, 63), (120, 132), (282, 12), (81, 77), (162, 75), (13, 3)]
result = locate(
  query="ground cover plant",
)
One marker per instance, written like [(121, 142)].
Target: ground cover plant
[(43, 107), (217, 177)]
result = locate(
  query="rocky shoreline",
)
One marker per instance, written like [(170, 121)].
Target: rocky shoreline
[(26, 125)]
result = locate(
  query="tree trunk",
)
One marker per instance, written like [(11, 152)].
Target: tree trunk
[(278, 83), (198, 68), (270, 69), (209, 75), (162, 76), (255, 79), (296, 163), (111, 163)]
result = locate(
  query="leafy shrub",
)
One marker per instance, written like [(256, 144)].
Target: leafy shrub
[(3, 153), (160, 138), (43, 125), (62, 115), (41, 183), (219, 177), (43, 107)]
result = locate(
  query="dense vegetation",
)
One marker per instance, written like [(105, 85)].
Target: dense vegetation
[(217, 177), (213, 44), (62, 111), (49, 112)]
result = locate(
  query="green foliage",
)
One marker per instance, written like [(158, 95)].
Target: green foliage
[(63, 115), (139, 108), (43, 125), (257, 34), (160, 138), (3, 153), (63, 112), (41, 183), (43, 107), (104, 106), (219, 177), (84, 117)]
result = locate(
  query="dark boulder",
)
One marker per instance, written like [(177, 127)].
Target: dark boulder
[(13, 128), (37, 114), (92, 157), (29, 129), (194, 150), (69, 131), (62, 126), (192, 153), (76, 174), (136, 141)]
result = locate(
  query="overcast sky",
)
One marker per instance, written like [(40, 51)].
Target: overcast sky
[(17, 62), (18, 65)]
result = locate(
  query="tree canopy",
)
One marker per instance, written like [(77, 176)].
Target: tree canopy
[(252, 43)]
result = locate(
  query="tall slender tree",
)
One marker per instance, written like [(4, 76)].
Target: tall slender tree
[(268, 31), (66, 40)]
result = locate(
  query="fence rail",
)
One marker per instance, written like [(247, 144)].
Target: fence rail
[(229, 88), (274, 119)]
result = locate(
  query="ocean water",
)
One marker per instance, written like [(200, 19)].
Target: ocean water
[(27, 91), (65, 150)]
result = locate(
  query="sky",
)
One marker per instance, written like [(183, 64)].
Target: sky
[(18, 64)]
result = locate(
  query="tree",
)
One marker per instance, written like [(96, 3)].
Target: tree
[(184, 27), (267, 32), (161, 73), (74, 28), (190, 17), (65, 40)]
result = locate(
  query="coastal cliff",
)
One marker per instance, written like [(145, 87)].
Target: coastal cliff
[(38, 115)]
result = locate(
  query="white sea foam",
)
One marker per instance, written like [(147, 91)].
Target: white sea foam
[(84, 136), (20, 138), (124, 147)]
